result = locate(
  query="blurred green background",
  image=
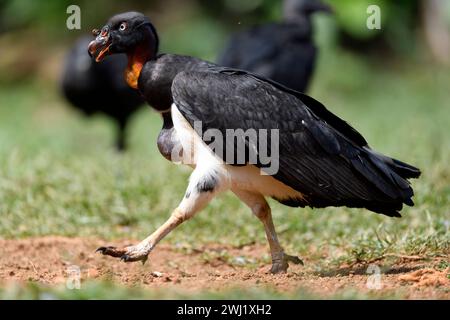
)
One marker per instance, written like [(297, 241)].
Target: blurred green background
[(60, 175)]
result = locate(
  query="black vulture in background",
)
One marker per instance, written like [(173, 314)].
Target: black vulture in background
[(284, 52), (100, 87)]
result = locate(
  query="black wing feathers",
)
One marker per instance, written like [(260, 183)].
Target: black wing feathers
[(317, 108), (321, 156)]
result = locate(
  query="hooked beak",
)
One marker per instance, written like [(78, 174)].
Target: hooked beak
[(99, 47)]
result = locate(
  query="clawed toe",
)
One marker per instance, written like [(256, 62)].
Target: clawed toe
[(294, 259), (111, 251), (281, 265), (128, 258), (124, 254)]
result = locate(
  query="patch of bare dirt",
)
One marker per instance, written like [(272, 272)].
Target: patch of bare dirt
[(49, 260), (427, 277)]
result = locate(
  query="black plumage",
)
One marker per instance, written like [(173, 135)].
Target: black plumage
[(321, 156), (99, 87), (284, 52), (323, 161)]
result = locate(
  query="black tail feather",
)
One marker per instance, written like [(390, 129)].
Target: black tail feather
[(396, 173), (405, 170)]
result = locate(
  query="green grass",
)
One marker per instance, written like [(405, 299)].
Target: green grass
[(105, 290), (59, 176)]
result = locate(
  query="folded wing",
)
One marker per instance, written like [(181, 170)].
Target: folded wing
[(320, 155)]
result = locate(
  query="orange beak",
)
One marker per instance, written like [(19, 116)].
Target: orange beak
[(99, 47)]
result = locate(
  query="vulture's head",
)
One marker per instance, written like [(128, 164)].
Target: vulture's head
[(295, 9), (124, 33)]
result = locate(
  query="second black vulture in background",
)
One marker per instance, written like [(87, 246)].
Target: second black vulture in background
[(284, 52), (100, 87)]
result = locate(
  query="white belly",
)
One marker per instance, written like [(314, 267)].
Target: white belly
[(198, 155)]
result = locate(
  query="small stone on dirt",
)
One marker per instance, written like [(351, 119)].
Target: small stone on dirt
[(157, 274)]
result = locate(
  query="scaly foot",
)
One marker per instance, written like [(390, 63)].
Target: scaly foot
[(127, 254), (281, 264)]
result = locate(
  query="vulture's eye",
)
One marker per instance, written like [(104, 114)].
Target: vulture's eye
[(123, 26)]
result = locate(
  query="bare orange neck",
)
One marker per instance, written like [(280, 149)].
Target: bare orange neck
[(136, 62)]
